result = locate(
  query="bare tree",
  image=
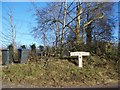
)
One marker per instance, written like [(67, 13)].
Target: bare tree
[(119, 29), (63, 30), (13, 26), (76, 17), (10, 28)]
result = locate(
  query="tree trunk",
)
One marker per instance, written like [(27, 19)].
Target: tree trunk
[(88, 36), (57, 39), (63, 30), (78, 10), (83, 31), (88, 32), (119, 45), (119, 31), (119, 42)]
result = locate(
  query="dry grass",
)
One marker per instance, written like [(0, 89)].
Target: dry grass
[(62, 73)]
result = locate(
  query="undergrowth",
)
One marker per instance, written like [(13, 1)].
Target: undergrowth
[(62, 73)]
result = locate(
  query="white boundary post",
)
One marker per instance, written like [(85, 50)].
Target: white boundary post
[(79, 54), (80, 61)]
